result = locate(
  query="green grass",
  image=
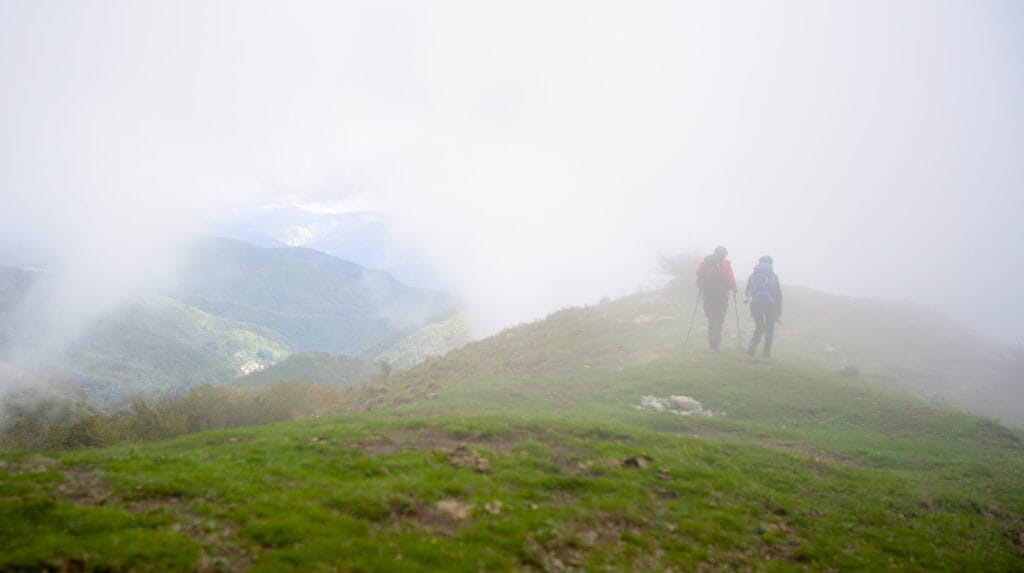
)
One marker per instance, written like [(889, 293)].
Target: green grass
[(771, 404), (890, 344), (800, 473), (799, 468)]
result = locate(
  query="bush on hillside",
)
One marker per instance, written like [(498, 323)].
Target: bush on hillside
[(202, 408), (681, 268)]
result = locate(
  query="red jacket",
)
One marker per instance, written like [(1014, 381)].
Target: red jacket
[(726, 268)]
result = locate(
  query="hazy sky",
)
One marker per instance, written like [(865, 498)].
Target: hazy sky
[(542, 153)]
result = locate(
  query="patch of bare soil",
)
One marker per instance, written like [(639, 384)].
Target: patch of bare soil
[(440, 519), (457, 510), (606, 531), (638, 462), (456, 448), (171, 505), (439, 440), (378, 446), (84, 486), (785, 550), (568, 552), (556, 557), (222, 552), (464, 457), (227, 556), (426, 438)]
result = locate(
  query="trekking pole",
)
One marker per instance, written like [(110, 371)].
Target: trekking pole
[(692, 318), (739, 333)]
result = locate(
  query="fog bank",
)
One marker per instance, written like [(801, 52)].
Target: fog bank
[(539, 155)]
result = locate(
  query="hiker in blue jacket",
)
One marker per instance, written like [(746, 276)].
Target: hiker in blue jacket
[(765, 297)]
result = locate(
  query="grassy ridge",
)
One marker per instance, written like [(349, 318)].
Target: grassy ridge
[(770, 404), (801, 471), (889, 344)]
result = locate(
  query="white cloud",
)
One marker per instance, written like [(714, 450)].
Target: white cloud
[(542, 153)]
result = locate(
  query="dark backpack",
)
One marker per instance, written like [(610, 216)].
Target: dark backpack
[(711, 277)]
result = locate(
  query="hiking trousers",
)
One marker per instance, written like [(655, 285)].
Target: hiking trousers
[(715, 308), (763, 311)]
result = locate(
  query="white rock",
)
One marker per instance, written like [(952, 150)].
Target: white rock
[(685, 404), (653, 403)]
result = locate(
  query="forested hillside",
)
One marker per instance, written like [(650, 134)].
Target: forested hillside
[(234, 309)]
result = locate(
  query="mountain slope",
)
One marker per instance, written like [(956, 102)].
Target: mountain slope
[(434, 339), (157, 345), (236, 306), (892, 345), (315, 367), (914, 348), (312, 300)]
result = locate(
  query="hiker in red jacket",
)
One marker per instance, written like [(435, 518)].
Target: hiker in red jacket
[(715, 279)]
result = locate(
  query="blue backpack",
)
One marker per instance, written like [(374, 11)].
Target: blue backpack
[(761, 280)]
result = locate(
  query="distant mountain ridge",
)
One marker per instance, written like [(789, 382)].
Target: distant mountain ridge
[(364, 237), (236, 308), (313, 301)]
